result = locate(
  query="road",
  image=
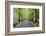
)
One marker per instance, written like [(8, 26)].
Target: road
[(25, 23)]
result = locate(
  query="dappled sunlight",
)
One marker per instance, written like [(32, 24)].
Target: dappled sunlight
[(25, 17)]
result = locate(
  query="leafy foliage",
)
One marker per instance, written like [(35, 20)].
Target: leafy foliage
[(20, 14)]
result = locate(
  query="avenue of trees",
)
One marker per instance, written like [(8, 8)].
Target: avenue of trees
[(20, 14)]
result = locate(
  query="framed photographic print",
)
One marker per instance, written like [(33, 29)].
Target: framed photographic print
[(24, 17)]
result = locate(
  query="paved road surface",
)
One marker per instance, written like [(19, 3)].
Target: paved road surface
[(25, 23)]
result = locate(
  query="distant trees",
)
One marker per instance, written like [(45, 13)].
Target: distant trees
[(26, 13)]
